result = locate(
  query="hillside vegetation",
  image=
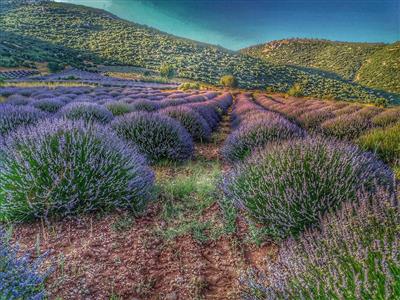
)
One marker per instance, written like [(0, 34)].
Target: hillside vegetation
[(100, 37), (370, 64)]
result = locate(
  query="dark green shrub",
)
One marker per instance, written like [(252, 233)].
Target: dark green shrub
[(55, 67), (229, 81), (296, 90), (167, 71), (86, 111)]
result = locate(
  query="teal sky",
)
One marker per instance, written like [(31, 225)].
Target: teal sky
[(238, 23)]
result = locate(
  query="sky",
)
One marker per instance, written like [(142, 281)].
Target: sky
[(236, 24)]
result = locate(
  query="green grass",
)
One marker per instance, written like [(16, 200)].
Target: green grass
[(185, 193)]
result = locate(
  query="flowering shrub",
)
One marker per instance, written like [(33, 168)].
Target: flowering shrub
[(191, 120), (355, 255), (12, 116), (118, 108), (48, 105), (20, 276), (157, 136), (208, 112), (288, 187), (145, 105), (61, 167), (86, 111), (18, 100), (255, 133), (313, 118)]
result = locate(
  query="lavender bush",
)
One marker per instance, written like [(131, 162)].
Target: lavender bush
[(251, 135), (20, 276), (86, 111), (288, 187), (119, 108), (387, 117), (61, 167), (157, 136), (48, 105), (191, 120), (18, 100), (355, 255), (145, 105), (12, 116)]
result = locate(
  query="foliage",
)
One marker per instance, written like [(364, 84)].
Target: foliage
[(55, 67), (191, 120), (296, 90), (86, 111), (101, 38), (387, 117), (118, 108), (61, 167), (21, 277), (354, 256), (385, 142), (228, 81), (373, 65), (167, 71), (48, 105), (13, 116), (157, 136), (288, 186), (189, 86)]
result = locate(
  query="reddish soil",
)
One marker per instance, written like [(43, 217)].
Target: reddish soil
[(92, 260)]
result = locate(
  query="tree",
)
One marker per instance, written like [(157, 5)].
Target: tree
[(167, 71), (228, 81), (55, 67)]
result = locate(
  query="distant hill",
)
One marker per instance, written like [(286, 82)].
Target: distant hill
[(64, 31), (371, 64)]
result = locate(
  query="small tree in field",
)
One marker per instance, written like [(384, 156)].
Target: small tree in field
[(228, 81), (167, 71), (296, 90)]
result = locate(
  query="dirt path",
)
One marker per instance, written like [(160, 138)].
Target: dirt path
[(183, 256)]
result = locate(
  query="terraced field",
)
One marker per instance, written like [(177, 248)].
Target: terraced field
[(120, 189)]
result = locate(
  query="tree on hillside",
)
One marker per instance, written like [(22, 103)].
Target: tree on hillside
[(228, 81), (167, 71)]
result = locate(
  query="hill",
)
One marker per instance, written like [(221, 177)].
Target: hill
[(373, 65), (98, 37)]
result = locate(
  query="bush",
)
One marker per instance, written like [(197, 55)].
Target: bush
[(354, 256), (145, 105), (312, 119), (20, 276), (189, 86), (55, 67), (18, 100), (118, 108), (157, 136), (13, 116), (167, 71), (387, 117), (290, 185), (191, 120), (296, 91), (228, 81), (258, 133), (62, 167), (385, 142), (87, 112), (48, 105), (208, 112)]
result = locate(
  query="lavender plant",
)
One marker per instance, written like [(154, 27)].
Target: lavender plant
[(387, 117), (255, 134), (12, 116), (157, 136), (145, 105), (18, 100), (86, 111), (119, 108), (355, 255), (290, 185), (48, 105), (20, 276), (191, 120), (62, 167)]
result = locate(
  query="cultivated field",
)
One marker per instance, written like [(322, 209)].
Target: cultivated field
[(120, 189)]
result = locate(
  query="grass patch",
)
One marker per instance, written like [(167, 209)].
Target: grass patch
[(186, 191)]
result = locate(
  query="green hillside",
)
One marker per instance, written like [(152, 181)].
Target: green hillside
[(100, 37), (374, 65)]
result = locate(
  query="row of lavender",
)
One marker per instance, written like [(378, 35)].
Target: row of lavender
[(67, 156), (332, 205)]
